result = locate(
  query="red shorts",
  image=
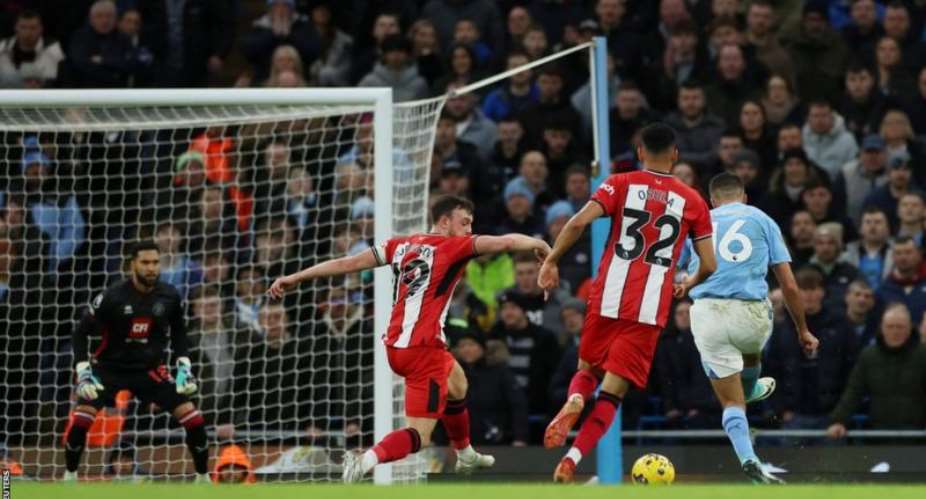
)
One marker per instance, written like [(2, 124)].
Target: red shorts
[(426, 371), (619, 346)]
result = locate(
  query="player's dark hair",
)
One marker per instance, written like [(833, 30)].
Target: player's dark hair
[(29, 14), (138, 247), (726, 185), (658, 138), (445, 205)]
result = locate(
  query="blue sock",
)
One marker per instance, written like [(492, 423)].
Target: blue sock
[(749, 377), (737, 428)]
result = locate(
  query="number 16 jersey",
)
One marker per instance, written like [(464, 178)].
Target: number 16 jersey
[(652, 214), (426, 268)]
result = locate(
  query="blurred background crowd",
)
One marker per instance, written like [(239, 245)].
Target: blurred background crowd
[(819, 106)]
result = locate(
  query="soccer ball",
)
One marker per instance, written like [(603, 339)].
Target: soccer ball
[(653, 469)]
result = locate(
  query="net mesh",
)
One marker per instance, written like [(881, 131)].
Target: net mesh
[(234, 196)]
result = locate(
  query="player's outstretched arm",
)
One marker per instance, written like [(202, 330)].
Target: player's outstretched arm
[(338, 266), (795, 307), (707, 265), (490, 245), (548, 278)]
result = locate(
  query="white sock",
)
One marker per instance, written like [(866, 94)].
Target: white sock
[(466, 454), (368, 461), (574, 454)]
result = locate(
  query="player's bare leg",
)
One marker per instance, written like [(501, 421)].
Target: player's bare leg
[(729, 392), (581, 387), (196, 439), (754, 387), (81, 420), (613, 389), (456, 422), (394, 446)]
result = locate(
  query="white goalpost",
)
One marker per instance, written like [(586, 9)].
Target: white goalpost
[(237, 187)]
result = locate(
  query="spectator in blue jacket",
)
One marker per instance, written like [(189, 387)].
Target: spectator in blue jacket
[(516, 96), (907, 281)]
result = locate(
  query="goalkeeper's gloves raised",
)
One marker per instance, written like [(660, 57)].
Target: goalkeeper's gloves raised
[(88, 385), (186, 382)]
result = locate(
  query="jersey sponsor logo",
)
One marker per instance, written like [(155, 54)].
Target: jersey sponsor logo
[(139, 329)]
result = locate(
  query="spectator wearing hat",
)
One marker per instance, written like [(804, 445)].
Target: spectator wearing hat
[(534, 351), (233, 466), (826, 140), (192, 40), (519, 210), (697, 131), (29, 59), (871, 254), (396, 69), (454, 180), (818, 52), (496, 402), (809, 385), (687, 400), (786, 185), (281, 25), (575, 265), (862, 106), (837, 274), (824, 207), (899, 182), (911, 216), (891, 374), (864, 174), (906, 282)]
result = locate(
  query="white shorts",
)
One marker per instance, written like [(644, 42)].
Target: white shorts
[(724, 330)]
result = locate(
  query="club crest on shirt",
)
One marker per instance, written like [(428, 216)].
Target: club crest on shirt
[(158, 309), (127, 310)]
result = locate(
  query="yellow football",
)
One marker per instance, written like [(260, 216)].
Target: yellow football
[(653, 469)]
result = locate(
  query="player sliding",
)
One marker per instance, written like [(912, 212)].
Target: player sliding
[(731, 318), (427, 268), (133, 318), (652, 214)]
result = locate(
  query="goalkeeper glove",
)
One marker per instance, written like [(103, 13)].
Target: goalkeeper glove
[(186, 382), (88, 385)]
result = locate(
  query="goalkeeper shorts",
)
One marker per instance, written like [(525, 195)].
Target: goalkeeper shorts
[(154, 386)]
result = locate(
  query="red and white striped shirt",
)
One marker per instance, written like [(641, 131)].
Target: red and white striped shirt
[(427, 268), (651, 215)]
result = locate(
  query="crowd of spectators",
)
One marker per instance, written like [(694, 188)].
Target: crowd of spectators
[(818, 106)]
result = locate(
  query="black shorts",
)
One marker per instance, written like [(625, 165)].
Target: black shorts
[(149, 386)]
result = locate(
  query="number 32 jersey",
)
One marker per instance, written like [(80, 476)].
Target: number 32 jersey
[(426, 268), (652, 214)]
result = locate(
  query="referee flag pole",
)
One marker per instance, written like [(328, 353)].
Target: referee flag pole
[(610, 462)]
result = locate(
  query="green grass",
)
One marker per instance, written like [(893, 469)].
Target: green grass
[(180, 491)]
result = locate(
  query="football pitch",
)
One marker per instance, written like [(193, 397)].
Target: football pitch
[(22, 490)]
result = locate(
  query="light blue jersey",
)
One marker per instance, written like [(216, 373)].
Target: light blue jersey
[(746, 242)]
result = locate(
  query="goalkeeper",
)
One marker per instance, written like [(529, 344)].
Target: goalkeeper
[(133, 318)]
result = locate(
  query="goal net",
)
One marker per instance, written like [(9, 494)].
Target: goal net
[(235, 195)]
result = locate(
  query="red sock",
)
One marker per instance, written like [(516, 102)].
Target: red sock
[(584, 383), (397, 445), (456, 422), (597, 423)]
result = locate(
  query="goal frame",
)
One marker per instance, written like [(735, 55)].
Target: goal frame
[(379, 99)]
